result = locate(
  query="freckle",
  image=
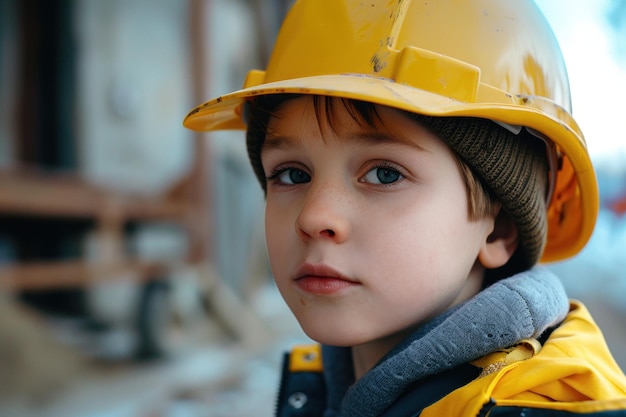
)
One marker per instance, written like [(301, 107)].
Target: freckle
[(302, 301)]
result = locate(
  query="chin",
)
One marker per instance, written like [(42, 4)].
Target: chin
[(333, 337)]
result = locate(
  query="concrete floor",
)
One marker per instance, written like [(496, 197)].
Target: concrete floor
[(212, 376)]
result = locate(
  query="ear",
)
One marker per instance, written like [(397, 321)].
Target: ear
[(501, 243)]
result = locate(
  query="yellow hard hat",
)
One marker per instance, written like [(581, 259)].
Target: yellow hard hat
[(490, 59)]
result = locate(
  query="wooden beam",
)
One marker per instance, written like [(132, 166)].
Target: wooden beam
[(68, 196), (42, 276)]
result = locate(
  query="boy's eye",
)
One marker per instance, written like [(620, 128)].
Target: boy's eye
[(292, 176), (382, 175)]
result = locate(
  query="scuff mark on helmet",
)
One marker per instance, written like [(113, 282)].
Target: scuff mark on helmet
[(378, 62)]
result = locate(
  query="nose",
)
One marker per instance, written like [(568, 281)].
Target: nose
[(325, 214)]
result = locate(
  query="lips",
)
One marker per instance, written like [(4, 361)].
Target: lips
[(322, 280)]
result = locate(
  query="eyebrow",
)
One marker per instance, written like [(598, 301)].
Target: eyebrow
[(279, 142), (378, 138), (369, 138)]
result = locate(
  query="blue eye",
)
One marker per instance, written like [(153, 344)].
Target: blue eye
[(291, 176), (382, 175)]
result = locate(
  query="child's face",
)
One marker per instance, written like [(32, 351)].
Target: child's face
[(367, 228)]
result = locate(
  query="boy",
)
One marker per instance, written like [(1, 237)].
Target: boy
[(418, 160)]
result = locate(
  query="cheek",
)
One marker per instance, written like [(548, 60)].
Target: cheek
[(429, 239), (279, 233)]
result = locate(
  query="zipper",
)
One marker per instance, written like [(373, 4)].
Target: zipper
[(279, 405)]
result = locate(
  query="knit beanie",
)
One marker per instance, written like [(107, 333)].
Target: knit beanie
[(512, 166)]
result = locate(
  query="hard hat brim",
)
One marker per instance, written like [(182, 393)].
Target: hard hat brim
[(540, 114)]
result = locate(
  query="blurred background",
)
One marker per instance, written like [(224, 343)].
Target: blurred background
[(133, 274)]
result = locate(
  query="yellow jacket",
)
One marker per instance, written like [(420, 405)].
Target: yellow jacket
[(573, 371), (571, 374)]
